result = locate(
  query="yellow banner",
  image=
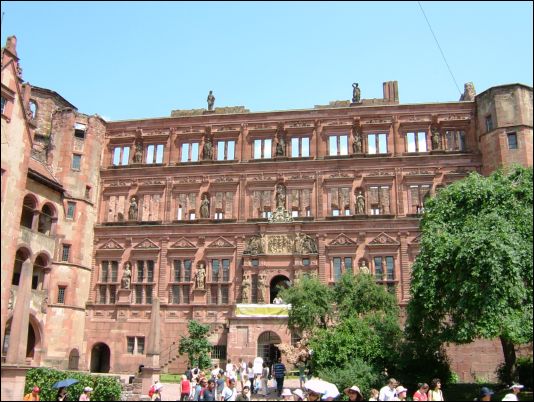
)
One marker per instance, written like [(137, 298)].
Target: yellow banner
[(262, 310)]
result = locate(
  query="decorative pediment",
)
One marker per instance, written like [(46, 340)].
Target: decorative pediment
[(342, 240), (183, 243), (383, 240), (220, 242), (111, 245), (146, 244)]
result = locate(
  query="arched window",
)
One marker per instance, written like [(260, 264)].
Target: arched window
[(33, 108), (20, 257), (74, 358), (45, 220), (38, 271), (28, 208)]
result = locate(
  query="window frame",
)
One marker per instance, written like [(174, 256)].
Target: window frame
[(76, 157), (338, 144), (225, 150), (515, 143), (190, 153)]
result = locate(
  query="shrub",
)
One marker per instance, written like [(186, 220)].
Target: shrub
[(104, 388), (524, 371)]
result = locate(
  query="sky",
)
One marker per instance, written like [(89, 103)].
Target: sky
[(134, 60)]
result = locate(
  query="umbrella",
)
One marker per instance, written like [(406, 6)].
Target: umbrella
[(327, 389), (65, 383)]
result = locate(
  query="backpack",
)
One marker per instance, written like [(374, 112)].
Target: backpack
[(151, 391)]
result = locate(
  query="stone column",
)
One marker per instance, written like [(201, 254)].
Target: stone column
[(153, 346), (18, 339)]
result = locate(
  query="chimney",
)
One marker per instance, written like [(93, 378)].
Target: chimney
[(391, 91)]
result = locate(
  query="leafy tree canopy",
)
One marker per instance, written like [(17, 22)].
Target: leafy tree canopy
[(196, 345)]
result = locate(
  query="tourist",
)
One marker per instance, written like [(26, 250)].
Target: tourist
[(299, 395), (388, 392), (302, 373), (229, 393), (61, 394), (313, 396), (435, 393), (189, 373), (185, 388), (221, 382), (86, 396), (373, 394), (516, 389), (264, 380), (242, 372), (484, 394), (230, 370), (401, 393), (157, 392), (210, 392), (421, 393), (257, 384), (244, 395), (152, 389), (250, 375), (354, 393), (279, 375), (34, 395), (215, 371)]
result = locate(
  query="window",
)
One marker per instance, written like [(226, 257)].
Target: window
[(138, 294), (148, 294), (61, 294), (512, 140), (489, 123), (76, 161), (87, 192), (263, 148), (255, 263), (338, 145), (140, 271), (102, 291), (455, 140), (186, 206), (130, 345), (33, 108), (134, 343), (223, 205), (418, 196), (379, 200), (300, 147), (224, 294), (190, 152), (416, 141), (65, 252), (121, 156), (341, 265), (71, 208), (215, 270), (112, 294), (377, 143), (306, 262), (3, 104), (141, 345), (384, 268), (150, 154), (109, 273), (218, 352), (79, 131), (262, 200), (220, 270), (175, 294), (225, 150), (340, 201)]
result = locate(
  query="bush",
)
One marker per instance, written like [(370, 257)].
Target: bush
[(104, 388), (524, 371), (357, 372)]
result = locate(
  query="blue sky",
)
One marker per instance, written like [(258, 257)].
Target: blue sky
[(129, 60)]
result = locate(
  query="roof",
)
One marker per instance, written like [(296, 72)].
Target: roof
[(39, 172), (54, 94)]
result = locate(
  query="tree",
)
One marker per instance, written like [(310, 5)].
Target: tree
[(196, 345), (473, 276)]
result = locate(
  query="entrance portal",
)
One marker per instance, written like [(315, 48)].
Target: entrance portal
[(277, 283), (100, 355), (266, 349)]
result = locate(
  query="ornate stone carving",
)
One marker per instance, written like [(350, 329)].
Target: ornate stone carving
[(245, 289), (138, 155), (357, 143), (342, 240), (254, 245), (147, 244), (133, 210), (305, 244), (356, 92), (469, 92), (207, 150), (280, 244), (280, 196), (363, 268), (280, 215), (200, 276), (360, 204), (183, 243), (220, 243), (205, 206), (383, 239), (126, 276), (111, 245), (281, 143), (262, 286), (211, 101), (436, 138)]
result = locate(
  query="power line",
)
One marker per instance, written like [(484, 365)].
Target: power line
[(439, 47)]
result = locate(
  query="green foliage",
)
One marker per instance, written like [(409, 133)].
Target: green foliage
[(105, 388), (196, 345), (474, 275), (311, 305), (524, 371), (357, 372)]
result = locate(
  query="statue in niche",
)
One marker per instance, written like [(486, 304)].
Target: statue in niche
[(281, 144), (205, 207), (360, 203), (200, 277), (245, 289), (355, 93), (126, 276), (254, 246), (436, 138), (138, 156), (469, 92), (132, 212), (357, 144), (364, 269), (304, 244), (280, 196), (211, 101), (262, 285), (207, 152)]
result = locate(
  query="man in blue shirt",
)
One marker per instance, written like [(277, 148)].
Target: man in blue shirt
[(279, 374)]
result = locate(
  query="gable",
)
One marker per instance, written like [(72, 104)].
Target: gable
[(384, 240), (146, 244), (220, 242), (111, 245), (342, 240), (182, 242)]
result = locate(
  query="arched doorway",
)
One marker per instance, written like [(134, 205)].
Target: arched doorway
[(266, 349), (74, 358), (32, 342), (277, 283), (100, 355)]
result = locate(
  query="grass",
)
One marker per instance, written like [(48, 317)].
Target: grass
[(176, 378)]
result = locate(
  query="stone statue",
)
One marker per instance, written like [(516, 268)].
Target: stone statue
[(205, 207), (304, 244), (132, 212), (280, 196), (280, 145), (355, 93), (11, 43), (200, 277), (245, 289), (469, 92), (138, 156), (126, 276), (254, 246), (211, 100), (262, 285), (364, 269), (436, 138), (357, 144), (360, 203), (207, 153)]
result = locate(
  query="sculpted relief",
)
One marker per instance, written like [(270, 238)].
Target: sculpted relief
[(281, 244)]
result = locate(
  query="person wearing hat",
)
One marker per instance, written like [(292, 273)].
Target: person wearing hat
[(401, 393), (86, 396), (34, 395), (299, 395), (156, 396), (516, 389), (313, 396), (286, 395), (354, 393), (485, 394)]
